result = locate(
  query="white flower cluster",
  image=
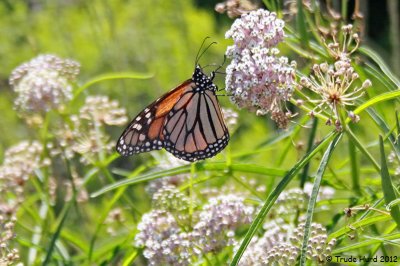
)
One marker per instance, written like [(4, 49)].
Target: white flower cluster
[(169, 238), (257, 78), (43, 83)]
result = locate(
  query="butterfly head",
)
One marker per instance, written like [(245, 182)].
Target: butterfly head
[(203, 81)]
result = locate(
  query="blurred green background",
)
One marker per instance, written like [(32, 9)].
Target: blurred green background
[(155, 36)]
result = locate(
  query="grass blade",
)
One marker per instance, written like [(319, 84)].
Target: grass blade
[(380, 62), (311, 140), (387, 186), (218, 167), (381, 98), (384, 127), (301, 24), (110, 76), (355, 168), (57, 234), (314, 195)]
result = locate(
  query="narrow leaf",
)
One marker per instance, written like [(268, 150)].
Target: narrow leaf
[(314, 195), (387, 186), (110, 76), (55, 236), (301, 24), (217, 167), (310, 144), (381, 98), (355, 168), (380, 62)]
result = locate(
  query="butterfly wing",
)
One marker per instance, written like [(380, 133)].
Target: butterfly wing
[(194, 128), (145, 132)]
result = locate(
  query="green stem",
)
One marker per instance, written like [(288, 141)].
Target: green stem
[(362, 149), (355, 175), (38, 233), (311, 140)]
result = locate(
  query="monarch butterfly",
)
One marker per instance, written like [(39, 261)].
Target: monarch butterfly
[(186, 121)]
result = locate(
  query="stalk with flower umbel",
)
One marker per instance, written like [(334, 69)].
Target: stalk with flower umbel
[(288, 190)]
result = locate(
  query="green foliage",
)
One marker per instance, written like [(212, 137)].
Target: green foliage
[(75, 201)]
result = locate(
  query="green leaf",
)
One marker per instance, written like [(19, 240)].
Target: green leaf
[(362, 148), (217, 167), (373, 71), (311, 140), (380, 98), (384, 127), (301, 24), (392, 203), (380, 62), (130, 258), (269, 202), (355, 168), (110, 76), (314, 195), (387, 186), (57, 233)]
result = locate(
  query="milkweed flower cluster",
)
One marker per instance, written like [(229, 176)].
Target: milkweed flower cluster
[(163, 241), (281, 241), (318, 248), (75, 185), (337, 83), (170, 199), (257, 78), (43, 83), (85, 134), (218, 220), (281, 244), (235, 8), (20, 162), (8, 255), (294, 200), (100, 109), (170, 238), (114, 220)]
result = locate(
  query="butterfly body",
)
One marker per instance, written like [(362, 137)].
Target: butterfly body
[(186, 121)]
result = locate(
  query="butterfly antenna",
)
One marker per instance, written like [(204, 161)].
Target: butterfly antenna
[(199, 55), (201, 46)]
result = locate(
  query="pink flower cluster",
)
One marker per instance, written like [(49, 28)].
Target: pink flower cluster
[(44, 83), (257, 78)]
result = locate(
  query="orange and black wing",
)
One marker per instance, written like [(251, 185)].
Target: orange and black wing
[(194, 128), (145, 132)]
